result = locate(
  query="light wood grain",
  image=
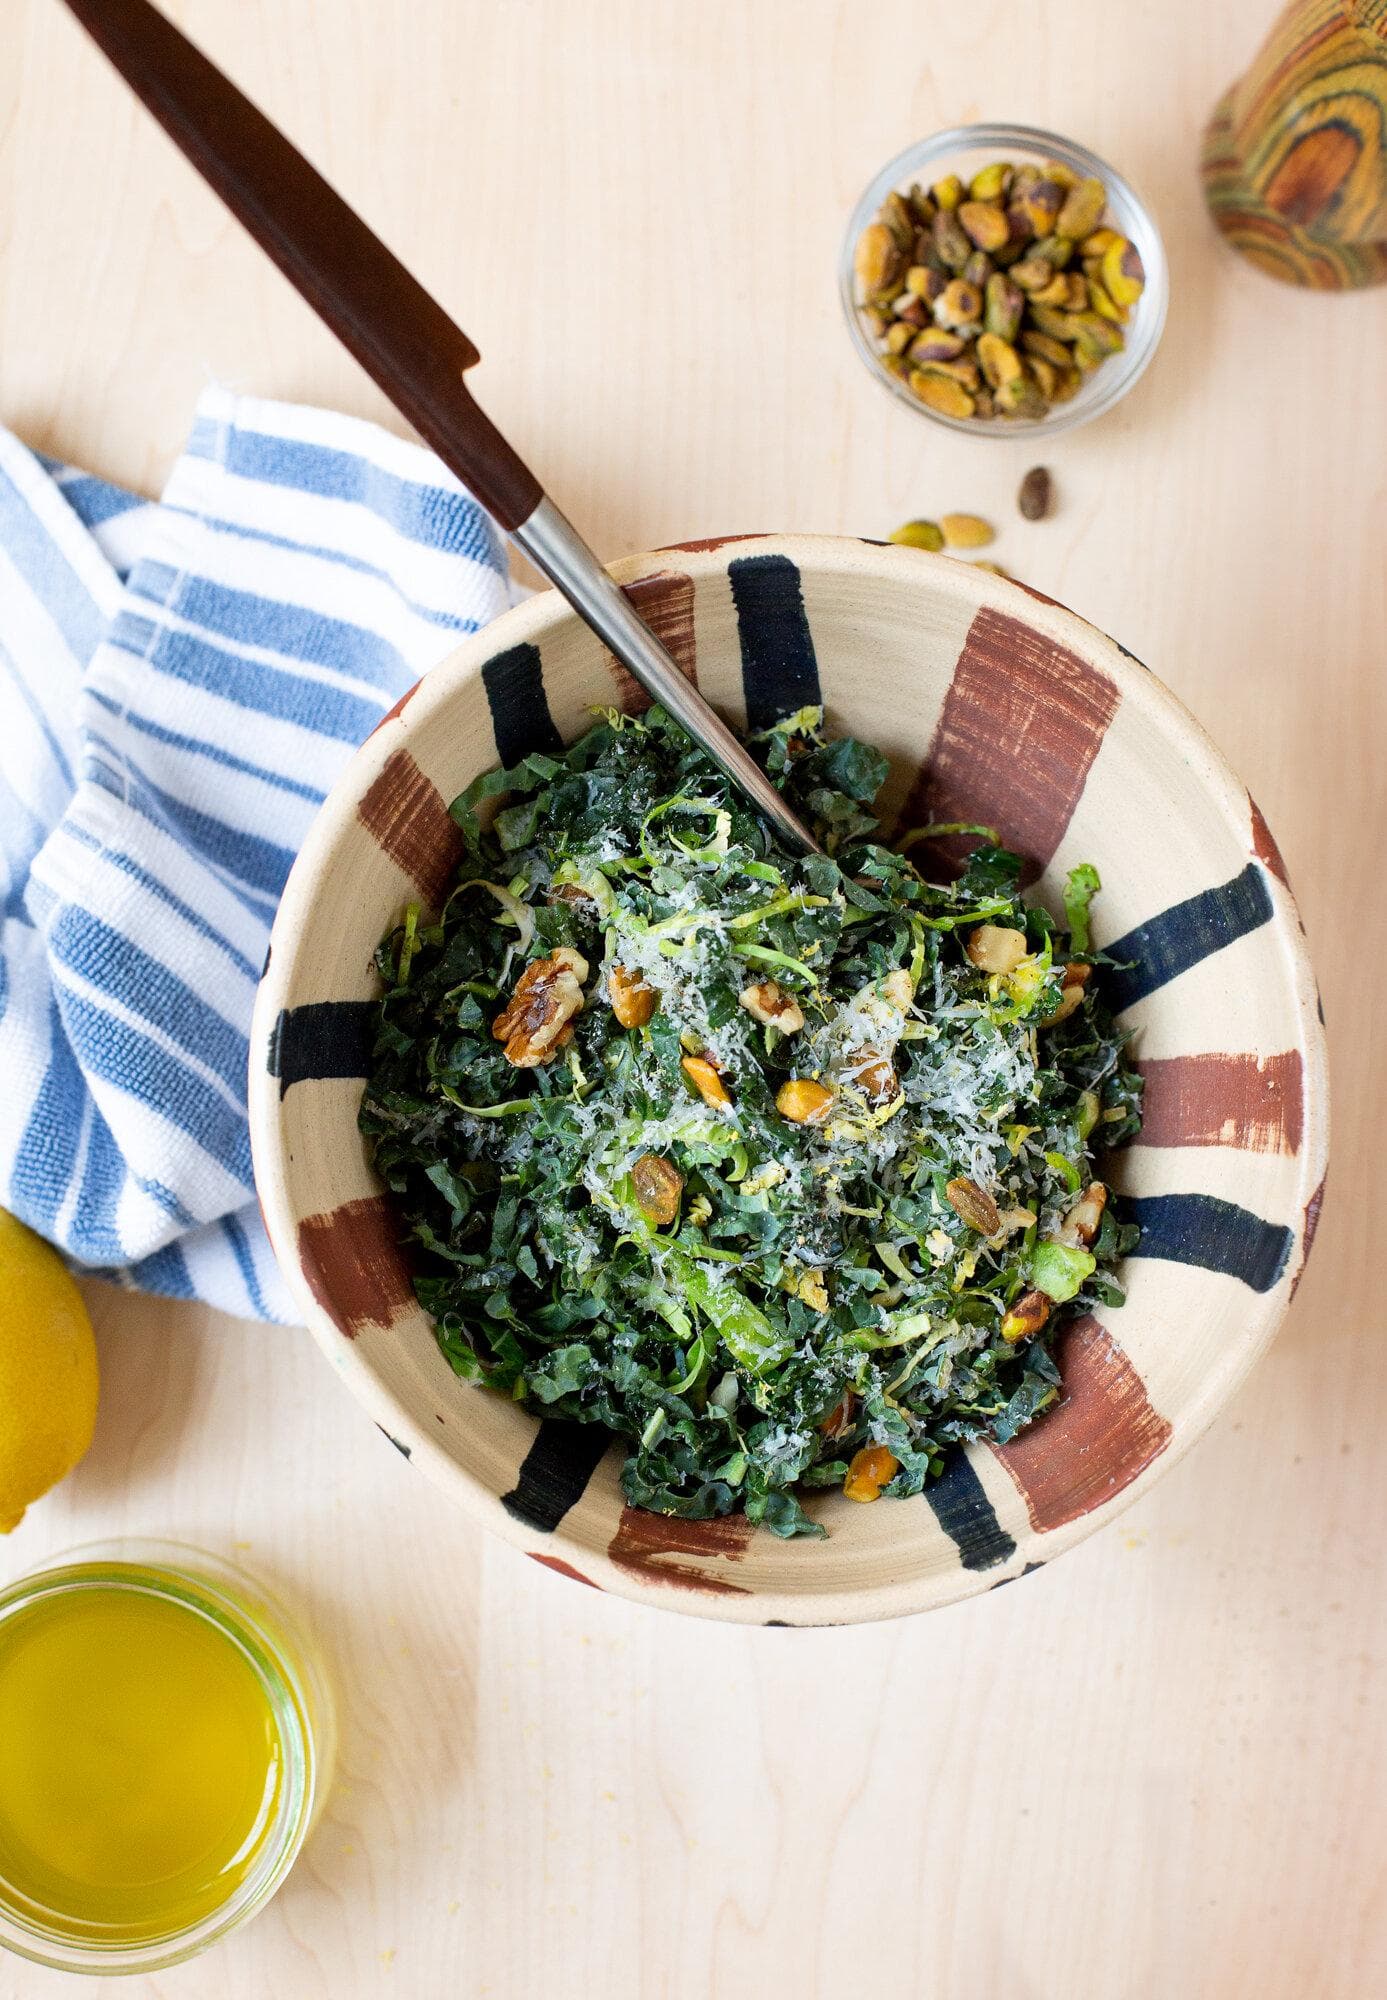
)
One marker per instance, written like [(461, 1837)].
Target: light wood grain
[(1155, 1768)]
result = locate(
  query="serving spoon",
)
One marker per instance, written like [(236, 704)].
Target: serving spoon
[(404, 340)]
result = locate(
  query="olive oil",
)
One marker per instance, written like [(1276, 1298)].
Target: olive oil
[(141, 1765)]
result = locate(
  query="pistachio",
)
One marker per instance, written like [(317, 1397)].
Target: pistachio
[(1041, 345), (1034, 497), (1099, 241), (998, 359), (1031, 273), (1004, 304), (947, 193), (1020, 398), (1095, 337), (896, 214), (922, 205), (917, 280), (937, 392), (633, 998), (1055, 251), (977, 270), (1059, 325), (966, 531), (658, 1184), (1101, 303), (1082, 209), (1124, 279), (1046, 376), (703, 1075), (914, 311), (803, 1101), (950, 243), (876, 259), (958, 305), (1040, 203), (1067, 387), (1026, 1317), (937, 344), (918, 535), (1056, 170), (990, 183), (983, 405), (965, 372), (975, 1205), (985, 223), (1055, 293), (899, 336)]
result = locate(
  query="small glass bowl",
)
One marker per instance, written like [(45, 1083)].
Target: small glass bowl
[(963, 149), (298, 1694)]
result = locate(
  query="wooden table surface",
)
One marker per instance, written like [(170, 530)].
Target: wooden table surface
[(1155, 1768)]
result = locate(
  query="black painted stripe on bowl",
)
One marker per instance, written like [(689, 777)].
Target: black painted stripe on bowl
[(966, 1515), (556, 1471), (520, 718), (1216, 1235), (325, 1038), (779, 670), (1186, 934)]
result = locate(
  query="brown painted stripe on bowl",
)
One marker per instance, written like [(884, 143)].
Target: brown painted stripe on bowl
[(1309, 1227), (1022, 722), (406, 814), (354, 1263), (1103, 1431), (644, 1543), (397, 708), (709, 543), (666, 602), (561, 1568), (1252, 1103), (1264, 844)]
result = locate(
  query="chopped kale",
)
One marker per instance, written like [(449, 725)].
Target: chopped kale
[(815, 1289)]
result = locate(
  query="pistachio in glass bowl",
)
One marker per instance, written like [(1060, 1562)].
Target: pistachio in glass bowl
[(1002, 280)]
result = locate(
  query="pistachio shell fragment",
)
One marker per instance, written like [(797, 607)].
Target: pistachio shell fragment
[(919, 535), (985, 223), (966, 531)]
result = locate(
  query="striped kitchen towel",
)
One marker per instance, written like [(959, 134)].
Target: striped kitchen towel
[(180, 683)]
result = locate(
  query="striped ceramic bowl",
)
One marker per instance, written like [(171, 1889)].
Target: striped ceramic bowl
[(995, 706)]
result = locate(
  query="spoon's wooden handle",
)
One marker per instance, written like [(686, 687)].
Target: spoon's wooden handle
[(401, 337)]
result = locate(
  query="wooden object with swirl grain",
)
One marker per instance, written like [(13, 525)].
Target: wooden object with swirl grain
[(1295, 159)]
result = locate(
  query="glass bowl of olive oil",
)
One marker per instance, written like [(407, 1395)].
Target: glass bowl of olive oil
[(168, 1740)]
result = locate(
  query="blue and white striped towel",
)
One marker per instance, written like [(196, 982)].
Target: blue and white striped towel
[(180, 683)]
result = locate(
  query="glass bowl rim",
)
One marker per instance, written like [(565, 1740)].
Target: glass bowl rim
[(1149, 321)]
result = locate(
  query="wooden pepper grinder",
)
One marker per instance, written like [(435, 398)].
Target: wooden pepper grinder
[(1295, 160)]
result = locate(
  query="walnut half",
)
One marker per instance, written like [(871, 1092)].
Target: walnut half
[(547, 996)]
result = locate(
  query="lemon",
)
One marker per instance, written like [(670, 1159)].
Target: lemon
[(48, 1374)]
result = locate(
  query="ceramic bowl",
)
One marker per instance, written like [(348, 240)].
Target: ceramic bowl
[(997, 706)]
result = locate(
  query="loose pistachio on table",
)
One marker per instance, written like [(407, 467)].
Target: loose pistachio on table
[(998, 296)]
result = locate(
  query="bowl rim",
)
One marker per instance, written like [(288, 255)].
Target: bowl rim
[(1112, 383), (530, 621)]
